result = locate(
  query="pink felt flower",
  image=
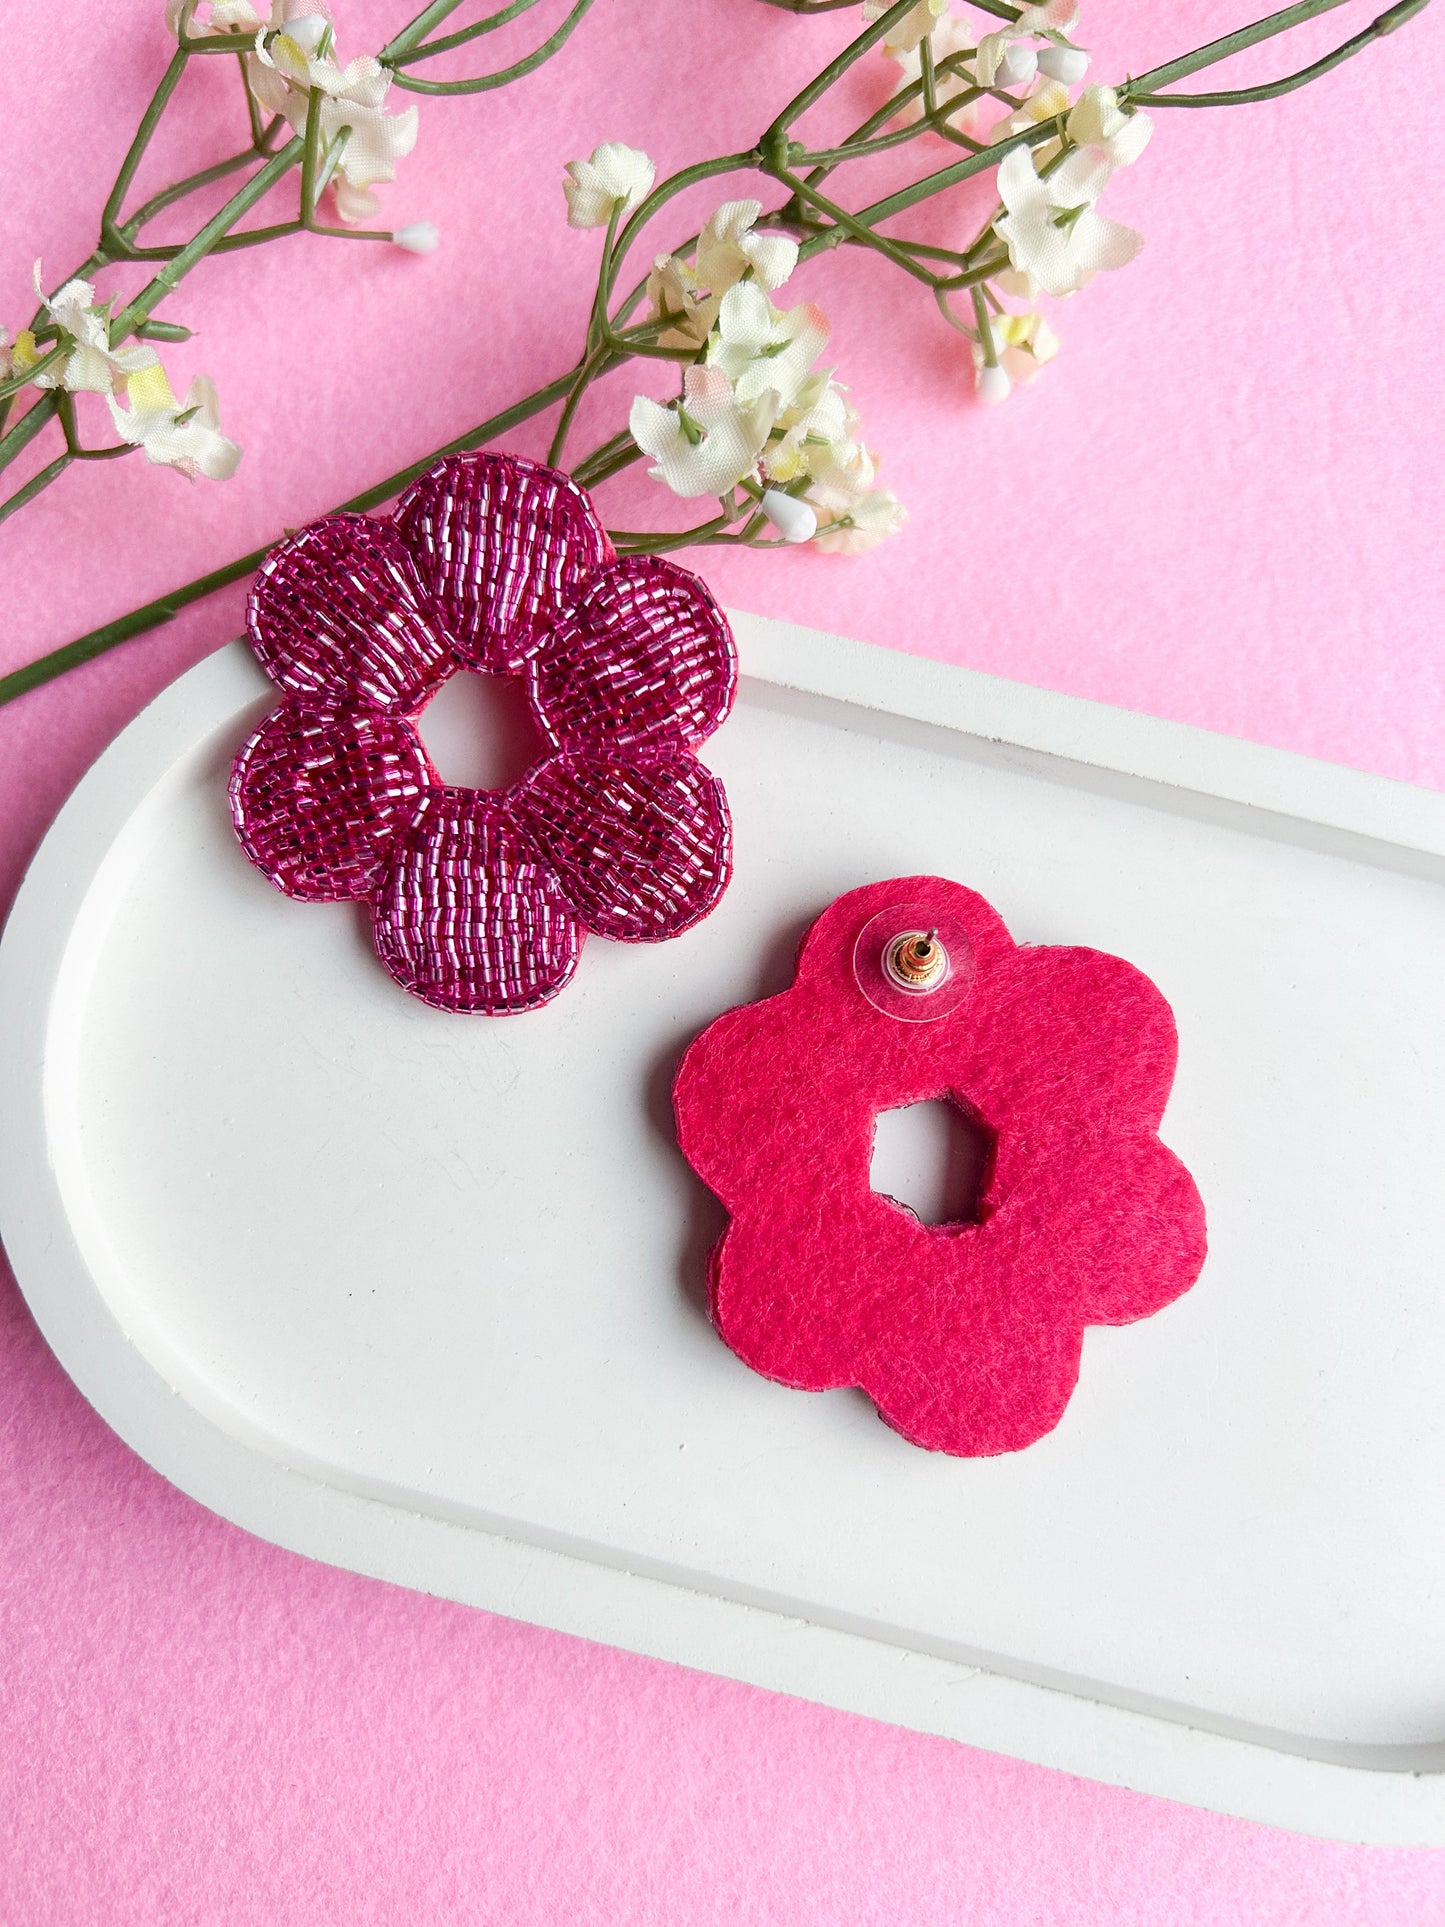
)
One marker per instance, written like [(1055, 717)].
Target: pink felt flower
[(480, 898), (966, 1336)]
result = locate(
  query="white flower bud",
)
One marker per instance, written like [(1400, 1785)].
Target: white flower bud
[(1066, 64), (795, 521), (1017, 65), (993, 385), (418, 237), (309, 31)]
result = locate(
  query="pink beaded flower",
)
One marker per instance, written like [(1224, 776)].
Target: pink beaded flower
[(967, 1336), (480, 898)]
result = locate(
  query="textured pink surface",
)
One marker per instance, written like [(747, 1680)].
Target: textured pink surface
[(967, 1336), (480, 898), (1222, 503)]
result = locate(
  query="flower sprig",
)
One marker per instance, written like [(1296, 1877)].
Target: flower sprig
[(1052, 155), (310, 120)]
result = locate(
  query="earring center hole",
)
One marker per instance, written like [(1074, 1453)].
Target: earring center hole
[(479, 731)]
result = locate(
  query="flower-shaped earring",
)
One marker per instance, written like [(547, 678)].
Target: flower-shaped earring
[(480, 898), (966, 1336)]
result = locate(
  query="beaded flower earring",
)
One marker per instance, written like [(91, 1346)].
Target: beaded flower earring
[(480, 899)]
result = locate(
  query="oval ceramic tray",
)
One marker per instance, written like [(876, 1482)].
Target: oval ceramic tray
[(422, 1295)]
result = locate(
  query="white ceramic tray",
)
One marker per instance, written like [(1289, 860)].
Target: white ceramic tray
[(421, 1294)]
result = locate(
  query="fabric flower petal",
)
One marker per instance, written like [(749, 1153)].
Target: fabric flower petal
[(503, 547), (646, 656), (318, 798), (470, 917), (642, 849), (337, 615)]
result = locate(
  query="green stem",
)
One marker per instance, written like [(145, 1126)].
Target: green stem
[(595, 474), (310, 154), (36, 417), (936, 183), (12, 384), (1387, 23), (985, 329), (659, 197), (417, 30), (1230, 43), (205, 242), (126, 231), (152, 614), (777, 134), (631, 542), (484, 83), (253, 107), (595, 364), (135, 153), (858, 229), (42, 480), (423, 50)]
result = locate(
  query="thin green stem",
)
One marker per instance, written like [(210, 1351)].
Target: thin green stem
[(423, 50), (152, 614), (985, 329), (925, 75), (601, 472), (1230, 43), (484, 83), (41, 480), (135, 153), (205, 242), (936, 183), (858, 229), (253, 106), (1387, 23), (417, 30), (310, 157), (597, 363), (14, 383), (659, 197), (777, 134), (125, 231), (652, 542), (36, 417)]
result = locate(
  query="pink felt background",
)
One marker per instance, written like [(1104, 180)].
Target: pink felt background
[(1222, 504)]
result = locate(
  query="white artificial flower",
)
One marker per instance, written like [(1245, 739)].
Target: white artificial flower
[(707, 442), (806, 438), (866, 522), (951, 36), (1097, 121), (1022, 344), (92, 366), (759, 349), (1034, 23), (1019, 286), (1048, 100), (676, 297), (727, 249), (187, 438), (1051, 230), (616, 176), (912, 28), (283, 74), (840, 473), (229, 16)]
